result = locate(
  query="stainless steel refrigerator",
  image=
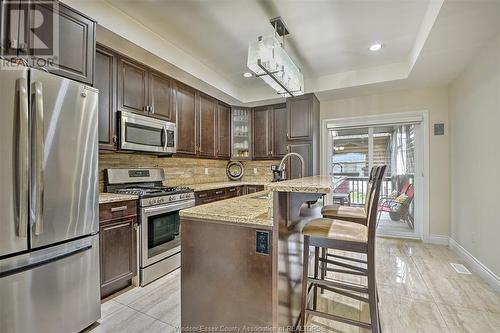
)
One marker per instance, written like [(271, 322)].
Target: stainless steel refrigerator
[(49, 242)]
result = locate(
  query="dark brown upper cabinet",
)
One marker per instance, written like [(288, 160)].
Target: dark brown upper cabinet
[(161, 96), (261, 125), (145, 91), (133, 85), (206, 126), (185, 105), (303, 134), (269, 132), (279, 131), (223, 130), (105, 81), (293, 166), (301, 111), (14, 40), (76, 40)]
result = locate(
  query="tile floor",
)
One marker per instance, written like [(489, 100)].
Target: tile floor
[(419, 292)]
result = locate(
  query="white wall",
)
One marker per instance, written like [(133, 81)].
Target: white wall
[(435, 101), (475, 157)]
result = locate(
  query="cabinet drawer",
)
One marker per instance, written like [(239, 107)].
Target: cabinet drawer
[(116, 210), (232, 191)]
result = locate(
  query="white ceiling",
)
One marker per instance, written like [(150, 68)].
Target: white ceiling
[(423, 40)]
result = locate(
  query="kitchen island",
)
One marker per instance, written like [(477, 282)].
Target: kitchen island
[(241, 260)]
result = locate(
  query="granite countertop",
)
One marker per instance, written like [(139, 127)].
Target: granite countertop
[(113, 197), (213, 186), (255, 208), (314, 184)]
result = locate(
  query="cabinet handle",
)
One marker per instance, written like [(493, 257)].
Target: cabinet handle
[(203, 195), (232, 189), (145, 109), (152, 110), (118, 209), (136, 226), (114, 139), (219, 192)]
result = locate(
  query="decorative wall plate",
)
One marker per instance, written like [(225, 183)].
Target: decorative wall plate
[(235, 170)]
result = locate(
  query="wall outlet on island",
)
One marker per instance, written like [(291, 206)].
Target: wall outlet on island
[(254, 171), (206, 171)]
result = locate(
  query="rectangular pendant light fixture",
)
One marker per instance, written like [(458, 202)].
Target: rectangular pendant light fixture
[(268, 60)]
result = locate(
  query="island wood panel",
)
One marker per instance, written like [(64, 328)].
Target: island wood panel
[(224, 281)]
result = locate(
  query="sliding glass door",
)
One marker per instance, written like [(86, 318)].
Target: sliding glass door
[(355, 150)]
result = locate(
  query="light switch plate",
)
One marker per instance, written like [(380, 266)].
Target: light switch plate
[(439, 129), (206, 171), (254, 171)]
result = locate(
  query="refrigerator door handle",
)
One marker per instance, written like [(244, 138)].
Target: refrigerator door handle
[(45, 261), (39, 150), (23, 156)]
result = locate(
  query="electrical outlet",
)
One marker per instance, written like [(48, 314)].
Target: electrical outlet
[(254, 171), (206, 171)]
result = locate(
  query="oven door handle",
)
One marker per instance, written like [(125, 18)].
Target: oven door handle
[(168, 208)]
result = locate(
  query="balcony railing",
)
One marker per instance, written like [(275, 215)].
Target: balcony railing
[(357, 187)]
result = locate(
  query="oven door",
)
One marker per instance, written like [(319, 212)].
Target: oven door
[(141, 133), (160, 231)]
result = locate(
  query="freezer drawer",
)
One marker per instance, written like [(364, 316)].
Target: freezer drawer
[(58, 294)]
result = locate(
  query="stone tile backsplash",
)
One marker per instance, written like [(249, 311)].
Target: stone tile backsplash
[(183, 171)]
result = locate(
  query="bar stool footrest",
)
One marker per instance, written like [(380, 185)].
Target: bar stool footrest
[(340, 319), (346, 258)]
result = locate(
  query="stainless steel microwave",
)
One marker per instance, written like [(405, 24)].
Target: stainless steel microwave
[(146, 134)]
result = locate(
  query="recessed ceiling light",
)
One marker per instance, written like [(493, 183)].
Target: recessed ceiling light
[(247, 74), (375, 47)]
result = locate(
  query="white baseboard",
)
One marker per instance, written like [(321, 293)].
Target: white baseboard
[(491, 278), (438, 239)]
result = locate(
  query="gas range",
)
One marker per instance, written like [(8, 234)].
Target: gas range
[(147, 184), (156, 195), (159, 232)]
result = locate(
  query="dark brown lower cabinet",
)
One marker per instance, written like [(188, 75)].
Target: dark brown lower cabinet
[(117, 239), (208, 196), (253, 188)]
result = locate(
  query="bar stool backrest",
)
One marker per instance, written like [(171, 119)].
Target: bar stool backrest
[(373, 205), (369, 187)]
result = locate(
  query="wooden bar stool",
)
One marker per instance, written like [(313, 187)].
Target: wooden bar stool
[(348, 213), (325, 233)]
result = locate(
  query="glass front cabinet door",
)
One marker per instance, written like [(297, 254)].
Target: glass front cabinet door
[(241, 133)]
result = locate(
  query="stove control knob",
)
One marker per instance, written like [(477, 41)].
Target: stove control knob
[(171, 198)]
